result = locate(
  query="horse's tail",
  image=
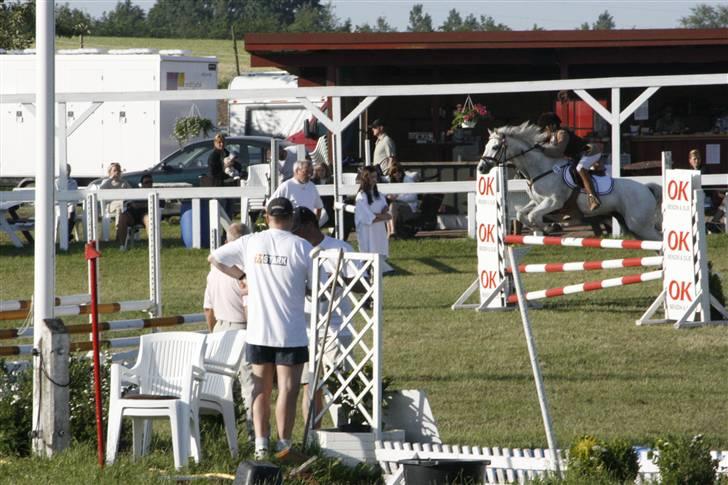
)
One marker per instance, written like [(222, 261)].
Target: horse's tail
[(656, 190)]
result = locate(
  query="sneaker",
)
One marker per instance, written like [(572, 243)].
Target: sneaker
[(261, 454), (282, 445)]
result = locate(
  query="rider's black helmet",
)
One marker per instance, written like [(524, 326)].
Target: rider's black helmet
[(547, 119)]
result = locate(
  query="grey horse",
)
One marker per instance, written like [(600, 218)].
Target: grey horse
[(637, 205)]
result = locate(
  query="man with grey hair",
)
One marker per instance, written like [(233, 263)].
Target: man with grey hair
[(226, 308), (300, 190)]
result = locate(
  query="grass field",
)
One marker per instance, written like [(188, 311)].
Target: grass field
[(603, 374), (222, 49)]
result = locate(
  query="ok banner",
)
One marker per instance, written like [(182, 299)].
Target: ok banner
[(489, 236), (681, 282)]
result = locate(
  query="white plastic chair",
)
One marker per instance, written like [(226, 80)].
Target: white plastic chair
[(320, 154), (168, 372), (258, 176), (222, 362)]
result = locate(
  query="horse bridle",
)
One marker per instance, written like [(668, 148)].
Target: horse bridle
[(500, 159)]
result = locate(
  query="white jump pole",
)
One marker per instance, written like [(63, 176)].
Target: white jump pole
[(533, 354)]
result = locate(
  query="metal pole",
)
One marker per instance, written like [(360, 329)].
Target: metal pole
[(44, 268), (92, 255), (533, 354)]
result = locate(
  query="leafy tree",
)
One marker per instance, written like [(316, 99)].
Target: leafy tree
[(321, 18), (704, 16), (453, 22), (72, 22), (17, 25), (419, 21), (126, 20), (471, 24), (604, 22), (488, 24), (537, 27), (380, 26), (182, 18)]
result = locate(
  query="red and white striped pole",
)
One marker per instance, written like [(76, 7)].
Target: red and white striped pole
[(590, 265), (589, 286), (584, 242)]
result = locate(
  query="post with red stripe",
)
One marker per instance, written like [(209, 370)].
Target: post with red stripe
[(92, 254)]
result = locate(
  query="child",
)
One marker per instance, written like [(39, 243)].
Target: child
[(231, 166), (371, 216)]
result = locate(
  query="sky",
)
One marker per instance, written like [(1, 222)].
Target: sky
[(517, 14)]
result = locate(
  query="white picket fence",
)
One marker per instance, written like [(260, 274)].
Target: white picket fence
[(507, 465)]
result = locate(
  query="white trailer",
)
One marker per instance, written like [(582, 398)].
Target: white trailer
[(136, 134), (279, 118)]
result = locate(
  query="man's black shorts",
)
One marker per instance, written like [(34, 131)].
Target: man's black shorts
[(260, 354)]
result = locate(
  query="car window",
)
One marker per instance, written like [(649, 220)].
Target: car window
[(190, 157), (248, 154)]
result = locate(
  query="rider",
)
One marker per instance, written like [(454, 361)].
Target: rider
[(561, 143)]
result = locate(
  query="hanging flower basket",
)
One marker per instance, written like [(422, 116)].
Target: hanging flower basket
[(191, 126), (469, 115)]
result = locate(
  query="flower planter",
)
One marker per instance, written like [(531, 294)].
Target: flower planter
[(353, 448), (468, 124)]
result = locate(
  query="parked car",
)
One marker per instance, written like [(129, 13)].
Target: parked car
[(188, 164)]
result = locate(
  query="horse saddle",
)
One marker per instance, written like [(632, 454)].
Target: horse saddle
[(602, 182)]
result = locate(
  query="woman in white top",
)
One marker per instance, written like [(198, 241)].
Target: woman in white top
[(371, 214)]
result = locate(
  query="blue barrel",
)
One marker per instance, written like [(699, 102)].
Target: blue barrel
[(185, 223)]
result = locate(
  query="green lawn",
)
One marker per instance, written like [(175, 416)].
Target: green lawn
[(603, 374), (222, 49)]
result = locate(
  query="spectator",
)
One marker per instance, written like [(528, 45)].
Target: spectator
[(216, 161), (300, 190), (669, 123), (225, 309), (371, 215), (114, 181), (713, 198), (402, 207), (384, 149), (71, 184), (305, 225), (136, 213), (321, 173), (277, 266)]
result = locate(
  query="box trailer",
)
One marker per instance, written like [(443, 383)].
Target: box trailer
[(279, 118), (136, 134)]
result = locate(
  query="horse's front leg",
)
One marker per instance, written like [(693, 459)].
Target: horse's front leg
[(522, 212), (545, 206)]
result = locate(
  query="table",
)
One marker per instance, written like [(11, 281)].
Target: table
[(11, 224)]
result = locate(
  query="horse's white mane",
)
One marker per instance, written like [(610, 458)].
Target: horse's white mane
[(526, 132)]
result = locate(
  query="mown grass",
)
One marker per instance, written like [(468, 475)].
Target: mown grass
[(603, 374), (221, 48)]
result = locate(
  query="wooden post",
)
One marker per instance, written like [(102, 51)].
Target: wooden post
[(51, 428), (235, 50)]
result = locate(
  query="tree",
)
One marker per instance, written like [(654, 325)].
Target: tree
[(604, 22), (17, 25), (126, 20), (381, 25), (705, 16), (72, 22), (487, 24), (321, 18), (537, 27), (453, 22), (419, 21)]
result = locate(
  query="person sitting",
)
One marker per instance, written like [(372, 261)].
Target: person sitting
[(321, 173), (402, 207), (562, 143), (668, 123), (136, 213), (114, 181), (713, 198), (71, 184)]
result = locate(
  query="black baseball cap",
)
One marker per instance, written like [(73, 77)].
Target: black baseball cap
[(303, 215), (279, 207), (376, 123)]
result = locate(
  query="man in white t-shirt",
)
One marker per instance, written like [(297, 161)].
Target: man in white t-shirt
[(277, 266), (339, 337), (225, 309), (300, 190)]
